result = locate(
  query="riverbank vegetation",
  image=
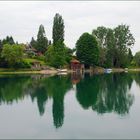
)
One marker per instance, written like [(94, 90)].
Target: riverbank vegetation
[(104, 47)]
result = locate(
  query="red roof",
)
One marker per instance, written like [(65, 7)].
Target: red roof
[(75, 61)]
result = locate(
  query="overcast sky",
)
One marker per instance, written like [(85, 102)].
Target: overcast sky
[(21, 19)]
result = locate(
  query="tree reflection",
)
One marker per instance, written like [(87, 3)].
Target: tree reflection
[(136, 77), (41, 95), (87, 90), (39, 88), (115, 97), (11, 88), (106, 93), (102, 93), (57, 86)]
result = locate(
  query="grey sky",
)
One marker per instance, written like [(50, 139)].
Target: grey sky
[(21, 19)]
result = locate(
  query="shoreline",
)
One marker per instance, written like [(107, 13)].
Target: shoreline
[(51, 72)]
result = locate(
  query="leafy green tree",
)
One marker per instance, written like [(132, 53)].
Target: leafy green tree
[(12, 54), (87, 49), (56, 56), (33, 43), (100, 33), (42, 41), (130, 56), (123, 40), (11, 40), (58, 29), (114, 45), (111, 50), (137, 58), (1, 46), (8, 40)]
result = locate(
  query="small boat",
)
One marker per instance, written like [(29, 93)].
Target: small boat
[(108, 70), (62, 73), (62, 70)]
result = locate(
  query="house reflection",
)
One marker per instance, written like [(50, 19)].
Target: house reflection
[(75, 78)]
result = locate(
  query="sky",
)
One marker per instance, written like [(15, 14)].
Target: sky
[(21, 19)]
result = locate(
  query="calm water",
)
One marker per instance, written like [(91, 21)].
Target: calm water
[(73, 106)]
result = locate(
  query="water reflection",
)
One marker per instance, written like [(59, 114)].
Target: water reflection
[(102, 93), (106, 93)]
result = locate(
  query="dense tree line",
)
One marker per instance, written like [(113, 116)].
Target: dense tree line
[(114, 45), (105, 47), (55, 54)]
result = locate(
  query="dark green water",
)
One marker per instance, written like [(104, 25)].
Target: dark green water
[(73, 106)]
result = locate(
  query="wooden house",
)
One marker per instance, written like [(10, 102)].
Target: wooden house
[(76, 66)]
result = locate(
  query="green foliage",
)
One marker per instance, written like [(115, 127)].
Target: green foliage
[(123, 40), (68, 54), (33, 43), (58, 29), (1, 45), (114, 45), (55, 56), (42, 41), (41, 57), (8, 40), (31, 61), (13, 54), (87, 49), (100, 33), (111, 49), (130, 56), (137, 59)]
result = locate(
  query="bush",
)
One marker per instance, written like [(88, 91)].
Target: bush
[(13, 54), (41, 57), (23, 64)]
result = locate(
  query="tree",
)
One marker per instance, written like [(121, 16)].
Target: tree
[(130, 56), (1, 46), (8, 40), (58, 29), (100, 33), (11, 40), (42, 41), (12, 54), (87, 49), (137, 58), (111, 49), (114, 45), (56, 56), (123, 40), (33, 43)]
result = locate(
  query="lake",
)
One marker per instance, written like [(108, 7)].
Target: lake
[(70, 106)]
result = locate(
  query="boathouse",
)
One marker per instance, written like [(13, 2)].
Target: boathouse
[(76, 66)]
